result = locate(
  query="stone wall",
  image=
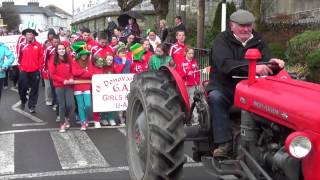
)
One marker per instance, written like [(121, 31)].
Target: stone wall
[(294, 11)]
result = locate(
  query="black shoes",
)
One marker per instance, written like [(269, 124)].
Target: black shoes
[(22, 106)]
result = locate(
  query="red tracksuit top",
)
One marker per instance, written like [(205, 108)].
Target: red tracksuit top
[(113, 47), (80, 73), (21, 41), (176, 51), (48, 56), (138, 66), (100, 52), (141, 65), (90, 43), (31, 57), (60, 72), (185, 67)]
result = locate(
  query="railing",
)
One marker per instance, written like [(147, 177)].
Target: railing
[(109, 6), (203, 58)]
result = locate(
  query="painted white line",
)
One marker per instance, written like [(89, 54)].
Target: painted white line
[(189, 159), (14, 89), (65, 173), (54, 129), (76, 150), (28, 115), (80, 171), (29, 124), (123, 131), (7, 154)]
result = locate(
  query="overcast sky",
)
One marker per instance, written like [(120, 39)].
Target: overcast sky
[(63, 4)]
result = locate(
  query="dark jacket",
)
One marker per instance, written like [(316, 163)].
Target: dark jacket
[(163, 34), (228, 53), (172, 34)]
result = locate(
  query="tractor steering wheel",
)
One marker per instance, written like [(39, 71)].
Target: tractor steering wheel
[(273, 66)]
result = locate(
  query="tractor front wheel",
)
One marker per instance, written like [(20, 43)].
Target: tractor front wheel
[(155, 134)]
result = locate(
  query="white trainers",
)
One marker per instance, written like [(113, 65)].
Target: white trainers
[(48, 103), (58, 119), (83, 127), (97, 125), (62, 128), (104, 122), (54, 107), (67, 124), (112, 122)]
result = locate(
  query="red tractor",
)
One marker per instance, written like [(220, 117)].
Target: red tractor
[(276, 136)]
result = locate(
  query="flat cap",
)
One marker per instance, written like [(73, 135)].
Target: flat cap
[(242, 17)]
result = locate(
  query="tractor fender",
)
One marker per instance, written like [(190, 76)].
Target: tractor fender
[(180, 85)]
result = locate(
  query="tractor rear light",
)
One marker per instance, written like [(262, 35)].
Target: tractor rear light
[(298, 145)]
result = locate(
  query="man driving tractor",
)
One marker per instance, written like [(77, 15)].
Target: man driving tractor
[(228, 52)]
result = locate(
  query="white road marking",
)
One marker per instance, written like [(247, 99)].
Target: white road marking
[(80, 171), (76, 150), (28, 115), (54, 129), (29, 124), (7, 154), (14, 89), (123, 131)]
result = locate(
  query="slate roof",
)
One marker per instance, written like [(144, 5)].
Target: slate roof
[(23, 9)]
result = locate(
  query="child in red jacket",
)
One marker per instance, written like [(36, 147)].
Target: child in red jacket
[(82, 70), (189, 71), (98, 59), (61, 75)]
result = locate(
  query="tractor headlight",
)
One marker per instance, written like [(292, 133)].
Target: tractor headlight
[(298, 145)]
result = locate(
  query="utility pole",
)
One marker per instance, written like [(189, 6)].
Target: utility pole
[(200, 23), (72, 9), (223, 15)]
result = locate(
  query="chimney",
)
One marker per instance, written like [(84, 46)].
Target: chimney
[(8, 3), (33, 3)]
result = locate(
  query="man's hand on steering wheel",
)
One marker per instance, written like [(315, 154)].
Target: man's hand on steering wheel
[(280, 62), (274, 65)]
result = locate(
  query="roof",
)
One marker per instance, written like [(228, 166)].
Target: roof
[(58, 10), (23, 9)]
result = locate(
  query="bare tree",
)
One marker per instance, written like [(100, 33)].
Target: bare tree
[(10, 17), (200, 23), (161, 8), (126, 5)]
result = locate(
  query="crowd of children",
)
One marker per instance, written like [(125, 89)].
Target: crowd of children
[(68, 60)]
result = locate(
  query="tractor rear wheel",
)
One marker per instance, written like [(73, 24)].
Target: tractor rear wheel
[(155, 134)]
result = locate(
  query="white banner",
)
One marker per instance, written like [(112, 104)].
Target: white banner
[(11, 40), (110, 92)]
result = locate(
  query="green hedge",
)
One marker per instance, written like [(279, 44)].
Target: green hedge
[(278, 50), (304, 49), (300, 46)]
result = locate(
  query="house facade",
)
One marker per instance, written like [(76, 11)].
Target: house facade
[(42, 18)]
